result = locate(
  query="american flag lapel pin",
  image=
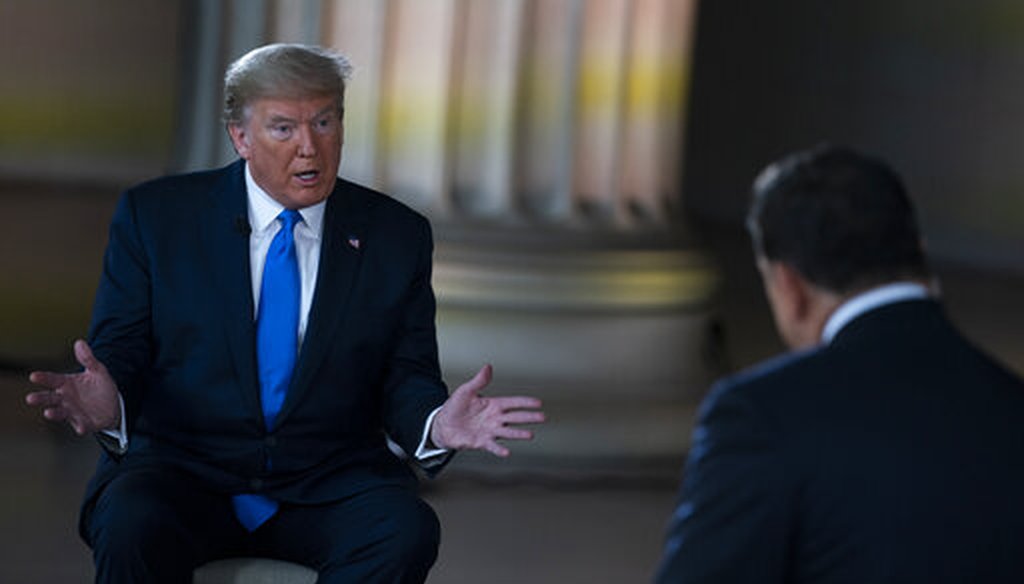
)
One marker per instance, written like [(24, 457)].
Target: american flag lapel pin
[(354, 242)]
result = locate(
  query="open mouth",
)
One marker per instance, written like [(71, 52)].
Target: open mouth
[(308, 176)]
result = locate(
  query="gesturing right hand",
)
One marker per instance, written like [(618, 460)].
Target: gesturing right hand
[(87, 401), (468, 420)]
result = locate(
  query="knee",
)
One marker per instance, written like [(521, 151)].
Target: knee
[(122, 521), (385, 536), (129, 522), (415, 534)]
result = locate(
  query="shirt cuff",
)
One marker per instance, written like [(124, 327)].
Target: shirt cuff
[(423, 453), (121, 434)]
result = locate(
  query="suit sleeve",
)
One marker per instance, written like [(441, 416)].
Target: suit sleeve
[(120, 334), (731, 522), (413, 385)]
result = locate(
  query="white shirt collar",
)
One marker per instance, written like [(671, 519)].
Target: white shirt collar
[(870, 300), (263, 209)]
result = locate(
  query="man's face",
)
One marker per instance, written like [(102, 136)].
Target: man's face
[(293, 147)]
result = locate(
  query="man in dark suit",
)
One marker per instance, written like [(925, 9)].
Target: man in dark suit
[(885, 447), (258, 333)]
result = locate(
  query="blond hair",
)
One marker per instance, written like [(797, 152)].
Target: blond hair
[(283, 71)]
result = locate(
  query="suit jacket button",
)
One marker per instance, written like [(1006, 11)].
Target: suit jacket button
[(270, 441), (256, 484)]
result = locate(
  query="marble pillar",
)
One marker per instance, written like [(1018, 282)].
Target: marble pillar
[(544, 139)]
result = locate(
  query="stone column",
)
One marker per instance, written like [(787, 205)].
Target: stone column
[(544, 139)]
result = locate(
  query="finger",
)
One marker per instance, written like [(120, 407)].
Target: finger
[(42, 398), (482, 377), (523, 417), (477, 383), (76, 425), (513, 433), (55, 414), (496, 449), (83, 352), (47, 379), (516, 402)]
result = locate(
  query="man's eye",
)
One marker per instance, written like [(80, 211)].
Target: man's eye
[(281, 132), (324, 124)]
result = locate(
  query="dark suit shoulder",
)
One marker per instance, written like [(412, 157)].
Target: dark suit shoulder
[(907, 357), (186, 184), (792, 395), (765, 380)]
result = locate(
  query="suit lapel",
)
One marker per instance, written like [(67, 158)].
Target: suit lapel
[(341, 254), (225, 231)]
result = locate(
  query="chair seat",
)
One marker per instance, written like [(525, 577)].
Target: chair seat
[(253, 571)]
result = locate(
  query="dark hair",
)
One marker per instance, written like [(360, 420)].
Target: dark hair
[(841, 218)]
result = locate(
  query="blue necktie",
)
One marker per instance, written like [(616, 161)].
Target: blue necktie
[(277, 331)]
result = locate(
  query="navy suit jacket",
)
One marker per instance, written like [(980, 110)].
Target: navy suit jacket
[(173, 323), (893, 454)]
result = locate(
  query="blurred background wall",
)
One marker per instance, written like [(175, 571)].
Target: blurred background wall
[(88, 102), (88, 89), (935, 87), (99, 93)]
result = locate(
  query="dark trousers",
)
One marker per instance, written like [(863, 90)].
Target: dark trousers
[(156, 527)]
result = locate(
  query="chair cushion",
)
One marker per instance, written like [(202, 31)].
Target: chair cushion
[(253, 571)]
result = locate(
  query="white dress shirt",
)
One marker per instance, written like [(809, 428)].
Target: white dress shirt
[(263, 212)]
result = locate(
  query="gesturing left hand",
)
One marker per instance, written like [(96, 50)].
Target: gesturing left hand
[(86, 400), (469, 420)]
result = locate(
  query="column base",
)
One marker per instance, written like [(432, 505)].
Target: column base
[(615, 339)]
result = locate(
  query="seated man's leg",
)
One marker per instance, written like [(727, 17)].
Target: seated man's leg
[(156, 526), (382, 535)]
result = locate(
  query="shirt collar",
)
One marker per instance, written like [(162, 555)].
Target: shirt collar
[(870, 300), (263, 209)]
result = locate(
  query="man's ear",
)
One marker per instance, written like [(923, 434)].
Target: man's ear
[(790, 298), (794, 288), (240, 139)]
